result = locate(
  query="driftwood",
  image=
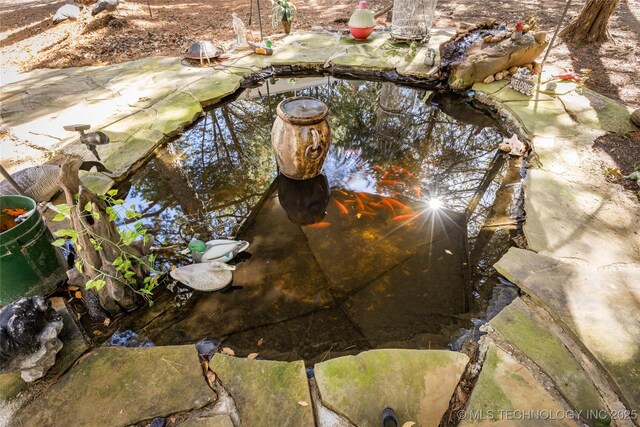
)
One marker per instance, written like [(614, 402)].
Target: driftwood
[(116, 296)]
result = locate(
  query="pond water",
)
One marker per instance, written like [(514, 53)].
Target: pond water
[(377, 251)]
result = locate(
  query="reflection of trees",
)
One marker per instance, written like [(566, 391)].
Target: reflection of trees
[(223, 165)]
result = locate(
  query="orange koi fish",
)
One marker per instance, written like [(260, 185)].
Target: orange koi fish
[(404, 217), (376, 205), (322, 224), (388, 204), (14, 212), (388, 182), (350, 202), (359, 201), (342, 207), (418, 192), (401, 170), (397, 203), (365, 196), (344, 192), (367, 213)]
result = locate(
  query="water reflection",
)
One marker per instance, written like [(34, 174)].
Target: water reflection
[(373, 251)]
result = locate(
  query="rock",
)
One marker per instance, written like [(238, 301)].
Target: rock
[(481, 62), (540, 37), (537, 68), (29, 341), (513, 70), (489, 79), (635, 117), (528, 67), (501, 75), (488, 39)]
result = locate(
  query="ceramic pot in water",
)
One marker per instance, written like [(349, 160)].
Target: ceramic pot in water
[(301, 137)]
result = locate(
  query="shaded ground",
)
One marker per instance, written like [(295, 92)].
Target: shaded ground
[(166, 27), (624, 151)]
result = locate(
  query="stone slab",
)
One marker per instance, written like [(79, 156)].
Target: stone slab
[(116, 386), (547, 118), (505, 392), (418, 384), (598, 112), (214, 421), (598, 306), (266, 392), (572, 219), (524, 329)]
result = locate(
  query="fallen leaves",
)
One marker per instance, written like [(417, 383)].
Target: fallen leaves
[(260, 342), (303, 403), (228, 351), (409, 424), (211, 378), (252, 356)]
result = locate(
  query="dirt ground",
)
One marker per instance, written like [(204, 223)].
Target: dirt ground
[(142, 28)]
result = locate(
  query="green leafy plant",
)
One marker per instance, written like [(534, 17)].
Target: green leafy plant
[(283, 10), (125, 262)]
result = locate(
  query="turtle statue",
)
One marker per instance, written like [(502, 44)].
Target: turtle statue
[(203, 50)]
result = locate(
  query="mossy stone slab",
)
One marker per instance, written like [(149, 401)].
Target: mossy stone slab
[(418, 384), (547, 118), (209, 90), (267, 393), (116, 386), (598, 112), (135, 149), (175, 112), (528, 332), (490, 88), (11, 385), (506, 392), (599, 307)]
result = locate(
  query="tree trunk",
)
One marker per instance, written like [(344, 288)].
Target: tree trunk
[(591, 24), (115, 297)]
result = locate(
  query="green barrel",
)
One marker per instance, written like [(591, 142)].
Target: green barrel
[(29, 263)]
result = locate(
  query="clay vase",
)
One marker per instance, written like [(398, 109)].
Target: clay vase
[(301, 137), (362, 22)]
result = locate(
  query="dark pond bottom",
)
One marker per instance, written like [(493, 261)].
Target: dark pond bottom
[(390, 247)]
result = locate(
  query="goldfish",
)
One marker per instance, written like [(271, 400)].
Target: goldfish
[(321, 224), (376, 204), (404, 217), (389, 205), (360, 204), (418, 192), (365, 196), (14, 212), (349, 202), (342, 207), (388, 182), (397, 203), (367, 213)]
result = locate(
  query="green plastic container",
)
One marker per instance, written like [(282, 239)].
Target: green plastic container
[(29, 263)]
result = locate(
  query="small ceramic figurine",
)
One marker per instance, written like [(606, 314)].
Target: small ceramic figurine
[(241, 32)]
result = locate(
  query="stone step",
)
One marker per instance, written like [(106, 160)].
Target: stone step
[(417, 384)]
